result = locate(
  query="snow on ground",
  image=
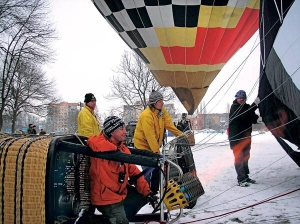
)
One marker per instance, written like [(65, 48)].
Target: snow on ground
[(277, 177)]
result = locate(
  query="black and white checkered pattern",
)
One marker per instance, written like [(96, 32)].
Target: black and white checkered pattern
[(135, 20)]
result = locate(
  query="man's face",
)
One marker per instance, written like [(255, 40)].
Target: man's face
[(92, 104), (240, 100), (119, 135), (159, 104)]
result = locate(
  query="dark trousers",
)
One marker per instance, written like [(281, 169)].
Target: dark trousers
[(241, 153), (152, 179), (125, 210)]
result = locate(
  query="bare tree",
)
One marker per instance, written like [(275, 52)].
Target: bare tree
[(31, 92), (12, 13), (134, 83), (27, 38)]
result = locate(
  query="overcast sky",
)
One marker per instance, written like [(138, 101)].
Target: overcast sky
[(88, 50)]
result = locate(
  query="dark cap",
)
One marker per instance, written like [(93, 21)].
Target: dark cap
[(241, 94), (89, 97)]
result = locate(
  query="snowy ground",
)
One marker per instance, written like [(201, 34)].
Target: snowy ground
[(277, 179)]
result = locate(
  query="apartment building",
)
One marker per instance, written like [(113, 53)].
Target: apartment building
[(62, 118)]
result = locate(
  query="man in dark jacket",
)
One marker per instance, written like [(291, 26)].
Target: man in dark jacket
[(34, 129), (241, 118), (184, 124), (30, 130)]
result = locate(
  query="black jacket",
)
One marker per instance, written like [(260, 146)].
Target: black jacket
[(241, 118), (184, 125)]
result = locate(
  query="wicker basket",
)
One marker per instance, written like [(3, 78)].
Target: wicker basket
[(22, 171)]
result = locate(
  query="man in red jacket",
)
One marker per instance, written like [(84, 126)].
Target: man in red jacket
[(110, 192)]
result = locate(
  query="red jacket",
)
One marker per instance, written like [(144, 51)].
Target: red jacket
[(104, 174)]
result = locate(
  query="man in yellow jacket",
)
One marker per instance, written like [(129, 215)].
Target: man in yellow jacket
[(88, 124), (149, 131), (150, 128)]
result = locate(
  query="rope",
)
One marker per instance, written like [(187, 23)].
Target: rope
[(246, 207)]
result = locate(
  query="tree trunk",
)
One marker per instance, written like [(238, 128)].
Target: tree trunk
[(1, 118), (13, 123)]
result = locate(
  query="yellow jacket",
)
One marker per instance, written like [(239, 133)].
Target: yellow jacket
[(149, 131), (88, 124)]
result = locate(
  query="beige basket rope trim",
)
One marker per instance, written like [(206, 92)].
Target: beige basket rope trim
[(8, 177), (4, 140), (25, 175), (22, 153), (4, 152), (33, 175), (4, 135)]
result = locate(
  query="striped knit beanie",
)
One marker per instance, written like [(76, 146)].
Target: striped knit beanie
[(154, 97), (111, 124)]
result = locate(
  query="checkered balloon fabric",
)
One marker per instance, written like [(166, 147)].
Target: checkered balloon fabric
[(184, 43)]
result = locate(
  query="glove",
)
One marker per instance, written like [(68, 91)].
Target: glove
[(259, 120), (257, 101), (152, 199), (187, 133), (184, 135)]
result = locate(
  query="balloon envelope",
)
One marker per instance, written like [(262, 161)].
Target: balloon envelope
[(185, 44), (279, 87)]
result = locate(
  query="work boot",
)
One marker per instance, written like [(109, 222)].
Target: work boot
[(243, 184), (251, 181)]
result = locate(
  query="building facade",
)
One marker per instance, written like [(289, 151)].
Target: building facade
[(62, 118), (218, 122)]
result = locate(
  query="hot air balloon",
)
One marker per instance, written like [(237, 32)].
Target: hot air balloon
[(280, 75), (45, 178), (185, 44)]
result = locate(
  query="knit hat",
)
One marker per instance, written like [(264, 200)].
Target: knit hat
[(111, 124), (154, 97), (241, 94), (89, 97)]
